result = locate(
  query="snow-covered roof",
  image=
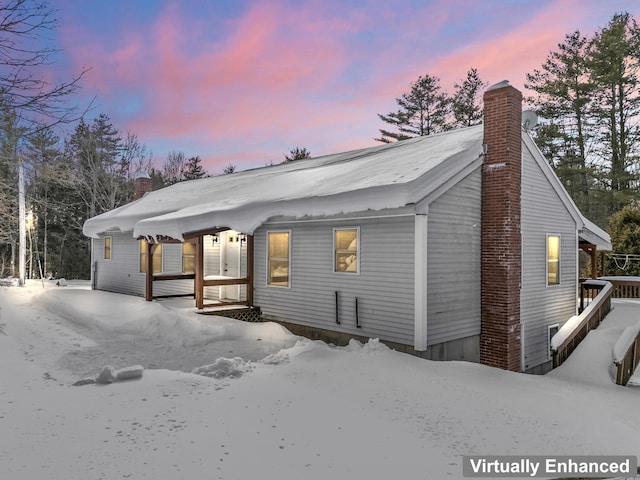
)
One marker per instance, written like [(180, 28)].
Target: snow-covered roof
[(383, 177), (387, 176)]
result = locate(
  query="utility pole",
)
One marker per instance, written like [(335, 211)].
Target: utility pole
[(22, 250)]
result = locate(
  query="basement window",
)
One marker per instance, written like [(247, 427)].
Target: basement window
[(188, 258), (278, 255), (346, 245), (157, 257), (107, 247), (553, 260)]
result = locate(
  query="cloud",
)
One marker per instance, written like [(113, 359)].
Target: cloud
[(244, 83)]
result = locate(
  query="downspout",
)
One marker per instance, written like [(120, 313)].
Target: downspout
[(92, 272)]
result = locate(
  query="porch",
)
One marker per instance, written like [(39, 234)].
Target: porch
[(217, 260)]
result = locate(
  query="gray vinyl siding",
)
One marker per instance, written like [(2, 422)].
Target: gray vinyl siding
[(121, 273), (544, 213), (453, 262), (384, 285)]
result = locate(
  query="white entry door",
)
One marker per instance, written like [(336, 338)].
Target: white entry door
[(230, 263)]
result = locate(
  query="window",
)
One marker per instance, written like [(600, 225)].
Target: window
[(346, 246), (157, 257), (107, 247), (278, 249), (188, 258), (553, 260), (551, 331)]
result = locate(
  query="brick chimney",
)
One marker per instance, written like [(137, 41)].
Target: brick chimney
[(141, 185), (501, 240)]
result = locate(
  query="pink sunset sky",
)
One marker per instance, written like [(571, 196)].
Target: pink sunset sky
[(244, 82)]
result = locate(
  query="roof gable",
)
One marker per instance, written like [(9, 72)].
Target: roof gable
[(587, 230)]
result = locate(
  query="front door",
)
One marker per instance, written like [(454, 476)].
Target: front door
[(230, 263)]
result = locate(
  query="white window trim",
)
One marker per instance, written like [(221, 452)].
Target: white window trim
[(549, 327), (266, 278), (333, 251), (104, 248), (546, 267)]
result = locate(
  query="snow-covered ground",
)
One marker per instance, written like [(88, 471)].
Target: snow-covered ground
[(267, 404)]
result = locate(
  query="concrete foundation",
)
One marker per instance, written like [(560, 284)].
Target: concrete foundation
[(467, 349)]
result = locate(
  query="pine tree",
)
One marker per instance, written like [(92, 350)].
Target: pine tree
[(614, 60), (564, 102), (193, 169), (297, 153), (423, 111), (466, 103)]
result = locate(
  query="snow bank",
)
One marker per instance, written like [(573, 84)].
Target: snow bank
[(625, 341), (373, 346), (224, 368), (111, 313)]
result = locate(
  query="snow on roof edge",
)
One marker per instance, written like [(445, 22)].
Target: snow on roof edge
[(373, 178)]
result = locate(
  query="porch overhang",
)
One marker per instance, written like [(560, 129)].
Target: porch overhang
[(199, 279)]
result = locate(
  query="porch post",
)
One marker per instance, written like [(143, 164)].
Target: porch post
[(250, 270), (151, 247), (198, 284)]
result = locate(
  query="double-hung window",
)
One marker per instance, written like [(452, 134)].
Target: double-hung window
[(144, 254), (278, 258), (108, 241), (553, 259), (188, 258), (346, 247)]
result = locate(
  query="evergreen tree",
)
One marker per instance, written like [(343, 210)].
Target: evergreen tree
[(564, 102), (157, 178), (297, 154), (193, 169), (53, 195), (229, 169), (614, 60), (466, 103), (423, 111)]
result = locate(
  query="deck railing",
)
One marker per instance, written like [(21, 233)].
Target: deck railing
[(576, 328), (624, 287), (626, 354)]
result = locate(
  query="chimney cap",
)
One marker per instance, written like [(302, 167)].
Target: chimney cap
[(502, 84), (143, 175)]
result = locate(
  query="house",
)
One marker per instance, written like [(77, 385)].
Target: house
[(461, 245)]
